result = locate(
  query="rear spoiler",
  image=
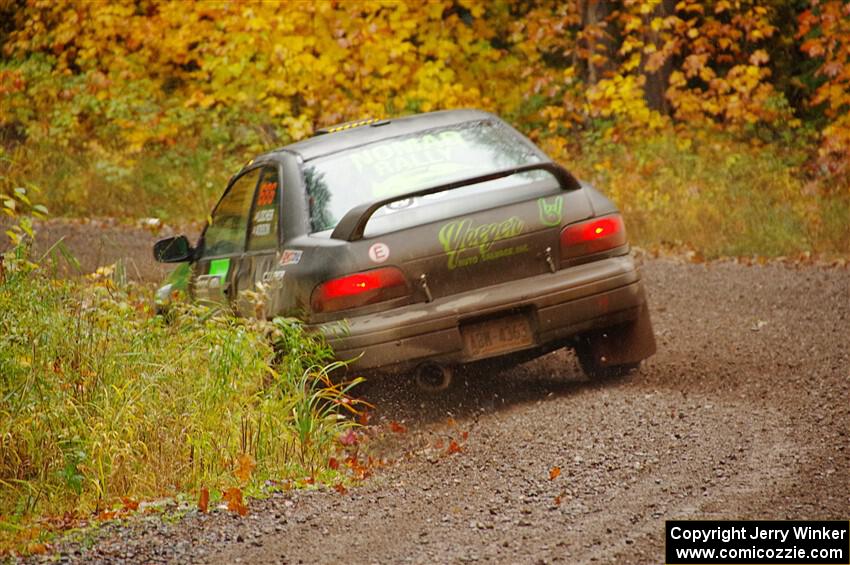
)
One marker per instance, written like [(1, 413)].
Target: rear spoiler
[(352, 225)]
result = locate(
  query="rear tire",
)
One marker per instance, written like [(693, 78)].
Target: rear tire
[(617, 350), (594, 367)]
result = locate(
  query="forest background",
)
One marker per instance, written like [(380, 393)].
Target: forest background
[(719, 126)]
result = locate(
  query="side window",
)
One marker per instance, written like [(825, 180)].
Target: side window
[(264, 220), (226, 233)]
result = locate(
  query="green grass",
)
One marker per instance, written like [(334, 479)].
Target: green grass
[(175, 184), (101, 400), (718, 195)]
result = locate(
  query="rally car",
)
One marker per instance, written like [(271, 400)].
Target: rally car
[(421, 243)]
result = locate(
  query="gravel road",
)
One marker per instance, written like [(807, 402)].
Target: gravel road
[(744, 413)]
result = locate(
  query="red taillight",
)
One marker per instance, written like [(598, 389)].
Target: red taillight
[(592, 236), (359, 289)]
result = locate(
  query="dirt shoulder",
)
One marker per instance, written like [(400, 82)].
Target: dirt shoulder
[(98, 242), (743, 413)]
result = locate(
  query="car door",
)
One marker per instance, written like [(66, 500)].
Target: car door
[(259, 278), (223, 242)]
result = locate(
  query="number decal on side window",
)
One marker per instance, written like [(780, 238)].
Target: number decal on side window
[(263, 231), (267, 192), (264, 216)]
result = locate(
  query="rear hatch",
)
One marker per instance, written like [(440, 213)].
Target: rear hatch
[(488, 239), (455, 208), (467, 241)]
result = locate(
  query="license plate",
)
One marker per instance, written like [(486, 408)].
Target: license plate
[(501, 335)]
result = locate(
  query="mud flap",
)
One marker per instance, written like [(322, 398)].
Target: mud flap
[(624, 344)]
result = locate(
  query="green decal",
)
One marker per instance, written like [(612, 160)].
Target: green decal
[(462, 235), (219, 267), (551, 213)]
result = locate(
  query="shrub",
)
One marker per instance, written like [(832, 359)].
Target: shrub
[(101, 400), (714, 193)]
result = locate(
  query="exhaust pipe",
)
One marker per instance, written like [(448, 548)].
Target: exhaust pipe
[(433, 377)]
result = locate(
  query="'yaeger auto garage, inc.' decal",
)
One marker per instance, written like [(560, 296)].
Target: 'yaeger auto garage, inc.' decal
[(462, 235)]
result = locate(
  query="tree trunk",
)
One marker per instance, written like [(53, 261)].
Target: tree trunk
[(656, 81), (597, 38)]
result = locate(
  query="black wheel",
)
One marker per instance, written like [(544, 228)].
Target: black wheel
[(595, 368)]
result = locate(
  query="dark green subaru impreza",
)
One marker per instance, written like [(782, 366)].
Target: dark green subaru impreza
[(423, 243)]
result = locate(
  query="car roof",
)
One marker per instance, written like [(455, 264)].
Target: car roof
[(328, 143)]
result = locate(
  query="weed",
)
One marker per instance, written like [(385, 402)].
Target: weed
[(714, 193), (101, 400)]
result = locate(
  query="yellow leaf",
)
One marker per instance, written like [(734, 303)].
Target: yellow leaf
[(244, 467)]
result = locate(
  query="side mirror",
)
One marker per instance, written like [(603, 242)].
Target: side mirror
[(173, 250)]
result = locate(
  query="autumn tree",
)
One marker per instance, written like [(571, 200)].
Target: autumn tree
[(825, 31), (119, 82)]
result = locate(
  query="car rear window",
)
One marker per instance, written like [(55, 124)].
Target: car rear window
[(340, 181)]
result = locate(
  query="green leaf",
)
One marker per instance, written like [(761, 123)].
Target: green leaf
[(21, 195)]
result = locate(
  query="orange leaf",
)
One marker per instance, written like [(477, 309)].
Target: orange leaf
[(451, 422), (554, 472), (36, 549), (106, 515), (130, 504), (464, 435), (245, 466), (363, 418), (397, 428), (812, 48), (204, 500), (831, 69), (333, 463), (340, 489), (759, 57), (233, 496), (453, 448)]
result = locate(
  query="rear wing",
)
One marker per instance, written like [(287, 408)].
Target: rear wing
[(352, 225)]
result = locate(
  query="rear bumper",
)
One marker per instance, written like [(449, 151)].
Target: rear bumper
[(559, 306)]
